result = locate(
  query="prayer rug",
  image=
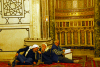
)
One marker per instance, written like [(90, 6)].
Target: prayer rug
[(92, 63), (80, 58)]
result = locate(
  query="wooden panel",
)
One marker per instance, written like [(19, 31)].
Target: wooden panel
[(82, 37), (62, 38), (75, 37), (85, 3), (88, 37), (69, 41), (71, 23), (89, 3), (56, 3), (80, 4)]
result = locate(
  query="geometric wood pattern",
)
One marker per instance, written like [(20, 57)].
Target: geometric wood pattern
[(13, 8)]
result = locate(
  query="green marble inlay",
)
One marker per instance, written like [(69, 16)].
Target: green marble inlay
[(97, 28), (52, 23)]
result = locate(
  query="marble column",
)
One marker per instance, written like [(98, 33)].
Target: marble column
[(36, 19), (52, 18), (97, 27)]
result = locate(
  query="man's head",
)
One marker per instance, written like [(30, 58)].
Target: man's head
[(44, 45), (56, 42), (35, 47)]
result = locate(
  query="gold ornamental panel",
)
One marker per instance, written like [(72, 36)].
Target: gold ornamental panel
[(75, 14)]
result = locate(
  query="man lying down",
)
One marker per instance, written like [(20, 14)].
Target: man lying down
[(46, 54), (29, 56)]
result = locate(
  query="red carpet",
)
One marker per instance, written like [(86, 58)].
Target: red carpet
[(81, 58), (92, 63), (4, 64), (60, 65), (23, 66), (97, 63), (84, 62)]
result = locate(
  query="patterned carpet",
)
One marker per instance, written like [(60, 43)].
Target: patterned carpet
[(5, 64), (84, 62), (60, 65)]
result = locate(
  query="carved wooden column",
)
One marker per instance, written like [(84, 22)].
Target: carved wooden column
[(79, 37), (60, 38), (85, 38), (90, 37), (65, 38), (72, 37), (56, 35)]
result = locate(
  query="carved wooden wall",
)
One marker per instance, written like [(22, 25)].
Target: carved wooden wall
[(75, 32), (74, 22)]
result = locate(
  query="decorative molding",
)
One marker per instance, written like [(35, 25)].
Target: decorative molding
[(74, 4), (39, 41), (7, 20), (74, 17), (26, 11), (96, 59), (27, 29), (19, 21), (89, 13)]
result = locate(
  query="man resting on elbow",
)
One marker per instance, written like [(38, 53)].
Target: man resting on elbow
[(28, 56)]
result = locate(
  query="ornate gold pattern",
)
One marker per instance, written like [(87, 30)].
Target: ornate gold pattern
[(72, 4), (79, 17), (75, 14), (74, 10)]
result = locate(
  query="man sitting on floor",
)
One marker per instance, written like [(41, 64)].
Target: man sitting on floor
[(46, 54), (28, 56), (56, 54)]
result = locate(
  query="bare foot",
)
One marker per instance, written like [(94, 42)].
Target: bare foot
[(76, 61)]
